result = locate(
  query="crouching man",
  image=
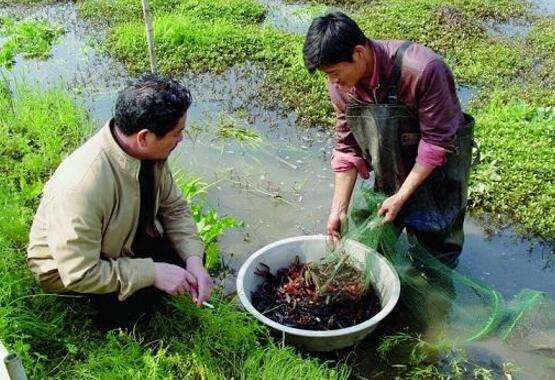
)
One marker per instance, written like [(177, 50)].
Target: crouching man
[(112, 224)]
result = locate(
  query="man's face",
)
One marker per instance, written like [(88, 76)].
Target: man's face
[(346, 75), (159, 148)]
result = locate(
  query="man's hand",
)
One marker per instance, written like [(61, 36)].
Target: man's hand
[(390, 208), (335, 222), (203, 280), (173, 279), (344, 184)]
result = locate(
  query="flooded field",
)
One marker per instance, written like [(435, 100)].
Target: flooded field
[(282, 185)]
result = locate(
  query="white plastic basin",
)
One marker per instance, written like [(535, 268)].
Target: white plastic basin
[(309, 248)]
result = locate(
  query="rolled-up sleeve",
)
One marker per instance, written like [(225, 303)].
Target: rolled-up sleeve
[(346, 153), (439, 113)]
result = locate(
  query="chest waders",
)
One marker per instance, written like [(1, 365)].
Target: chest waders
[(388, 135)]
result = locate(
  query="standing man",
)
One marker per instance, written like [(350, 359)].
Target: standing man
[(112, 224), (398, 114)]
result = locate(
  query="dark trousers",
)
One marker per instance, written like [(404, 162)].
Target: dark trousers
[(445, 246), (111, 313)]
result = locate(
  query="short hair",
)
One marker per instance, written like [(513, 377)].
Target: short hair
[(331, 39), (152, 102)]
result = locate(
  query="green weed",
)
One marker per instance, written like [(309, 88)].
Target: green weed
[(209, 224), (31, 39), (509, 181), (36, 132), (231, 128), (116, 11), (415, 358)]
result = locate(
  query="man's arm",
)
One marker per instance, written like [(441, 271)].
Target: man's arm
[(392, 205), (175, 215), (346, 162), (346, 153), (74, 238), (344, 184), (182, 232)]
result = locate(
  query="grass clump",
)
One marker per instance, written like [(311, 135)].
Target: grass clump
[(184, 42), (417, 358), (116, 11), (54, 334), (509, 180), (31, 39), (276, 363), (214, 36), (36, 132), (541, 40), (229, 127)]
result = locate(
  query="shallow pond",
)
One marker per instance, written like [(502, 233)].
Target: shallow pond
[(280, 187)]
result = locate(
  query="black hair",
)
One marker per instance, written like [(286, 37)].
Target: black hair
[(152, 102), (331, 39)]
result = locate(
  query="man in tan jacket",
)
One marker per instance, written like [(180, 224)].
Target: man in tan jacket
[(112, 223)]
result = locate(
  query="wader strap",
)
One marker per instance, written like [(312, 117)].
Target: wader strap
[(396, 72)]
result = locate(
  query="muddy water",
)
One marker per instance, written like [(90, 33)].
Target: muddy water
[(280, 187)]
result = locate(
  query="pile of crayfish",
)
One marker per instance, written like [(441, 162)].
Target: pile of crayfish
[(315, 296)]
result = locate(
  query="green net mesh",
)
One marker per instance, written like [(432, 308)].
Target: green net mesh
[(445, 299)]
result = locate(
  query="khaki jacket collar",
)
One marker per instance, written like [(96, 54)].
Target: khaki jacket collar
[(116, 153)]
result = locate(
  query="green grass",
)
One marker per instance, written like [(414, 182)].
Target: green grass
[(515, 177), (541, 40), (30, 39), (54, 334), (115, 11), (230, 127)]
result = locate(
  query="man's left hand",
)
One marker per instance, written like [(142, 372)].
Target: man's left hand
[(390, 208), (204, 281)]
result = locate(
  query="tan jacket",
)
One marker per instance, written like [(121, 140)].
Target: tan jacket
[(86, 221)]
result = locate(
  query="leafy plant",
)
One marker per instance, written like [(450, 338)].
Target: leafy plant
[(31, 39), (209, 224)]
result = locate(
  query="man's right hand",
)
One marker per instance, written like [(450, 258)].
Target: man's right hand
[(335, 221), (173, 279), (344, 184)]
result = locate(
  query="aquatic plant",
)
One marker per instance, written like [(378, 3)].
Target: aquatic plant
[(115, 11), (210, 225), (508, 180), (228, 127), (31, 39), (418, 358)]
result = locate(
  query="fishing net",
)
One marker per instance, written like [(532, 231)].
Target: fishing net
[(444, 299)]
